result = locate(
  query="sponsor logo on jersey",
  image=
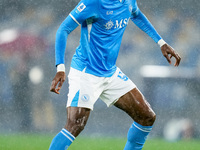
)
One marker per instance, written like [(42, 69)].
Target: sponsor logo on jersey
[(109, 25), (117, 24), (81, 7)]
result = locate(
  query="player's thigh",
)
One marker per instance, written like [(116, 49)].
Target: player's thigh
[(115, 87), (84, 89), (137, 107)]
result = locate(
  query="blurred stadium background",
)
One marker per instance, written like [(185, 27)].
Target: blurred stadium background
[(27, 35)]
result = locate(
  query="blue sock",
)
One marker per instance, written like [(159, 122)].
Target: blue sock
[(137, 136), (62, 140)]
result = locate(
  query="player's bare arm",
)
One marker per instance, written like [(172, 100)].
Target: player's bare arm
[(58, 80), (168, 52)]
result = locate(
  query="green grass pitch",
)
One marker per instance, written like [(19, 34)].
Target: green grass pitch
[(41, 142)]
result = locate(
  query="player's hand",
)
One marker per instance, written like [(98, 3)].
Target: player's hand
[(168, 52), (58, 80)]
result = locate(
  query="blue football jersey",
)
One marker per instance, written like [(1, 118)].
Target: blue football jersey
[(102, 26), (103, 23)]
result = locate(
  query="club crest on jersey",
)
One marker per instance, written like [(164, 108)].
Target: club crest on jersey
[(81, 7)]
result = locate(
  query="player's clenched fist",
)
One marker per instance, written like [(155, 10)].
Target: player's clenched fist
[(58, 80)]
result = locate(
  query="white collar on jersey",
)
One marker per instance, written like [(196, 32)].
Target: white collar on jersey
[(121, 1)]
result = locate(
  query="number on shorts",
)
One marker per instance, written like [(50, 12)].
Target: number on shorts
[(122, 76)]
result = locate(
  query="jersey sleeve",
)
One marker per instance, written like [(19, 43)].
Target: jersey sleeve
[(84, 10), (67, 26), (143, 23)]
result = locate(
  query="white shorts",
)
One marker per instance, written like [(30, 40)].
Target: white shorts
[(85, 89)]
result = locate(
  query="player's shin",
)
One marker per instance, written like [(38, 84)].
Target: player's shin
[(137, 135), (62, 140)]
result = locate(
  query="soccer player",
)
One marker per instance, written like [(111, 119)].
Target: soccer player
[(93, 73)]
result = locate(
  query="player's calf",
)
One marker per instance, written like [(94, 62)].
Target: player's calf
[(76, 121)]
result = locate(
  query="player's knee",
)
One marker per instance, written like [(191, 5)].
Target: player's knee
[(146, 119), (150, 119), (79, 126), (75, 126)]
